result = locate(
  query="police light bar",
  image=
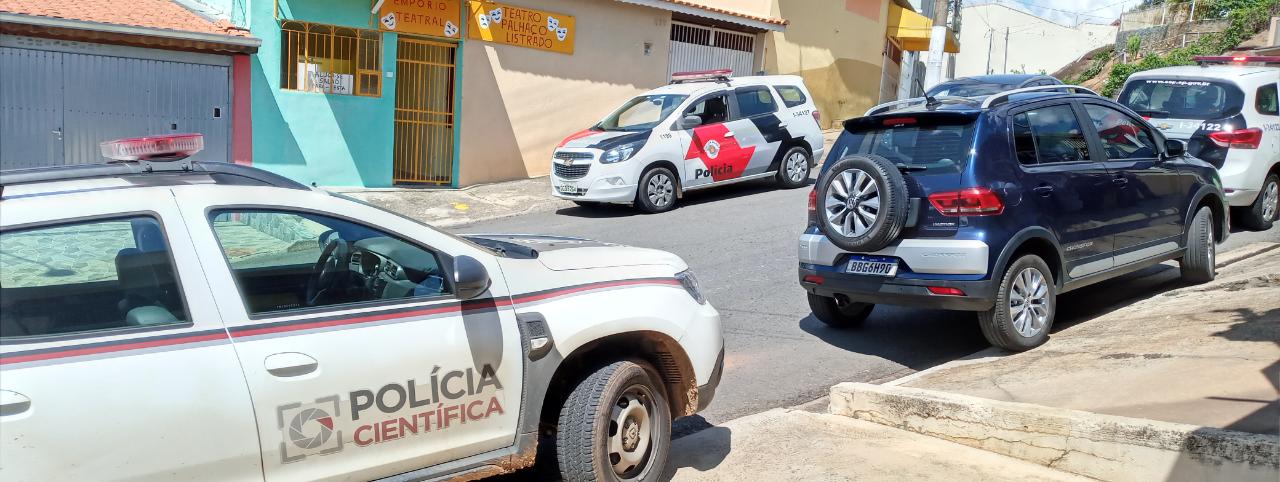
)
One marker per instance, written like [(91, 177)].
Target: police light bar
[(697, 75), (170, 147), (1237, 59)]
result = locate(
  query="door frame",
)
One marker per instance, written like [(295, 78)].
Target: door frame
[(455, 102)]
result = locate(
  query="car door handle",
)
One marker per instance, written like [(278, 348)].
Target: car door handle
[(728, 134), (1043, 190), (290, 364), (1120, 181), (13, 403)]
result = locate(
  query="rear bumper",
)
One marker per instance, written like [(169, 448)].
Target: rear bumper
[(933, 256), (979, 295)]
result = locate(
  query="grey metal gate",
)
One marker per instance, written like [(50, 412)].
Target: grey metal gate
[(694, 47), (56, 107)]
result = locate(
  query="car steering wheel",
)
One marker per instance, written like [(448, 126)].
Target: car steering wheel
[(326, 274)]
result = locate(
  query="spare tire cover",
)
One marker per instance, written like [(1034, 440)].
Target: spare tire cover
[(862, 203)]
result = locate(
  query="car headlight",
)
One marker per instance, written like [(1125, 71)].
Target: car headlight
[(690, 284), (621, 152)]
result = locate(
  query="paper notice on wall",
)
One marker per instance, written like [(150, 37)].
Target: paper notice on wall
[(316, 80)]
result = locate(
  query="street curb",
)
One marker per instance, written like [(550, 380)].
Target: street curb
[(1245, 252), (1105, 447)]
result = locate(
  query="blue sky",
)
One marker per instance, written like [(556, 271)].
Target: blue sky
[(1064, 11)]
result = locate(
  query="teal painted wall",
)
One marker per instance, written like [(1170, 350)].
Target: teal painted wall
[(328, 140)]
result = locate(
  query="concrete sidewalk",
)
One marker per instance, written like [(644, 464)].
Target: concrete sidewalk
[(456, 207), (1204, 355), (1180, 386), (783, 444)]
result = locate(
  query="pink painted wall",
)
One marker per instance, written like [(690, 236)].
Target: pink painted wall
[(241, 111)]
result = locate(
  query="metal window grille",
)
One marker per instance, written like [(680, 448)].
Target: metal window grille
[(330, 59), (695, 47), (711, 37)]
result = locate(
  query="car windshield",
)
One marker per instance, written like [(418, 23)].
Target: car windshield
[(937, 147), (1182, 99), (970, 89), (641, 113)]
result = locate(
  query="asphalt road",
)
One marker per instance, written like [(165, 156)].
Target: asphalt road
[(741, 242)]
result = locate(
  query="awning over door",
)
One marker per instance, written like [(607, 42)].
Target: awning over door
[(913, 30)]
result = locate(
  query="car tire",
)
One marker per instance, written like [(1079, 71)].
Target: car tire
[(1265, 209), (793, 170), (864, 231), (833, 313), (657, 190), (1198, 264), (596, 428), (1016, 325)]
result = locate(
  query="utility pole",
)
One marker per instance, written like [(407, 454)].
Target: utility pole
[(1193, 11), (991, 39), (937, 45), (1006, 50)]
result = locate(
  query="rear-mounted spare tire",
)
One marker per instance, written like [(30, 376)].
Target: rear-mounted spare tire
[(862, 203)]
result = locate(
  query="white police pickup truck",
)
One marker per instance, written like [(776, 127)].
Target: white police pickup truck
[(165, 319), (1226, 110)]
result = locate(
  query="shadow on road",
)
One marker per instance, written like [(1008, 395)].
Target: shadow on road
[(919, 339), (1096, 300), (713, 446), (914, 338), (693, 198)]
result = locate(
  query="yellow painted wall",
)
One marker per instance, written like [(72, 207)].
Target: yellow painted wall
[(836, 49), (518, 103)]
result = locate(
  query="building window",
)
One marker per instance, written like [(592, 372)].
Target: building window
[(330, 59)]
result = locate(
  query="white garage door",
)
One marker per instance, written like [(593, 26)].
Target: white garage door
[(57, 106), (694, 47)]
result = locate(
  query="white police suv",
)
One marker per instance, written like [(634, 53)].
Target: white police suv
[(164, 319), (704, 129), (1226, 110)]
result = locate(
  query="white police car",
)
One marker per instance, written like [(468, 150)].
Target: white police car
[(176, 320), (704, 129), (1226, 110)]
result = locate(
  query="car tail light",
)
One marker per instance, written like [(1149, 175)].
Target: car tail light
[(1241, 139), (817, 116), (946, 291), (899, 121), (146, 148), (813, 207), (813, 278), (974, 201)]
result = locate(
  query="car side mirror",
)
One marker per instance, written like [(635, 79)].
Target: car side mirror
[(470, 278), (689, 122), (1174, 148)]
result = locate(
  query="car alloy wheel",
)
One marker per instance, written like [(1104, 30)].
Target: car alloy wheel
[(630, 432), (1029, 302), (853, 203), (1270, 198), (797, 167), (661, 190)]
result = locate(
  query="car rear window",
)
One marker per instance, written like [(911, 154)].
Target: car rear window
[(1182, 99), (791, 95), (939, 145)]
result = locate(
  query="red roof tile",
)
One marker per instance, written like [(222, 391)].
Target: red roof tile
[(161, 14)]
